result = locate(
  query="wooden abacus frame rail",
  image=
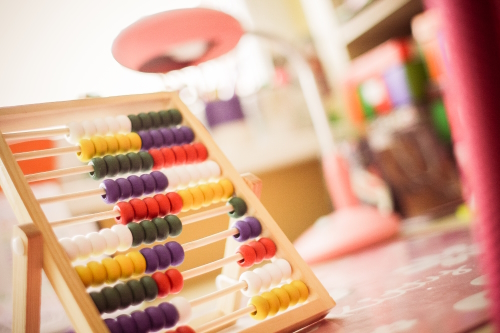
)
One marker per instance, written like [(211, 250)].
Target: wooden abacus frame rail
[(65, 281)]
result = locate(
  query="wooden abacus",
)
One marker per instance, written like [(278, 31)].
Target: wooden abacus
[(84, 308)]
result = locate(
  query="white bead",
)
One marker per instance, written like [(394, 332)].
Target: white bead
[(76, 132), (98, 243), (84, 246), (125, 236), (285, 268), (125, 124), (214, 170), (184, 177), (113, 125), (265, 278), (205, 173), (173, 179), (89, 128), (253, 281), (101, 126), (70, 247), (275, 272), (183, 307), (194, 173), (112, 240)]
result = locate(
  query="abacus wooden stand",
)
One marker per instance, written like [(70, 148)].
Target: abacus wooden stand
[(64, 279)]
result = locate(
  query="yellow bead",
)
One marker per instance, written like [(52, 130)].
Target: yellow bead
[(228, 188), (303, 290), (218, 192), (139, 262), (85, 275), (187, 200), (126, 265), (113, 269), (135, 141), (87, 150), (101, 147), (198, 198), (261, 306), (274, 302), (283, 297), (208, 194), (99, 274), (112, 144), (293, 292), (123, 143)]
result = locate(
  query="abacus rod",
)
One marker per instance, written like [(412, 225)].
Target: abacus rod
[(200, 270), (71, 196), (36, 133), (210, 239), (211, 325), (207, 214), (59, 173), (86, 218), (46, 153), (219, 293)]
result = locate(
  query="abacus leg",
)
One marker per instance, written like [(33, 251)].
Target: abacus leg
[(27, 252)]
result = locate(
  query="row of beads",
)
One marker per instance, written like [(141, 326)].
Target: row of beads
[(255, 252), (134, 292), (134, 263), (204, 195), (166, 137), (269, 275), (89, 128), (178, 155), (278, 299), (144, 121), (191, 175), (153, 318), (248, 228), (133, 186)]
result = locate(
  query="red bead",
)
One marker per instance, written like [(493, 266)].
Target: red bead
[(163, 203), (140, 209), (201, 151), (163, 283), (176, 280), (168, 157), (158, 159), (180, 155), (126, 212), (175, 202), (248, 254), (153, 207), (191, 154), (184, 329), (270, 247), (260, 251)]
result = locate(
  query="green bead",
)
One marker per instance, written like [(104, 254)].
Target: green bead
[(112, 299), (166, 118), (136, 122), (155, 117), (162, 228), (124, 163), (147, 160), (112, 165), (126, 296), (146, 120), (175, 225), (138, 233), (176, 116), (135, 162), (150, 231), (100, 168), (150, 287), (137, 291), (239, 207), (99, 301)]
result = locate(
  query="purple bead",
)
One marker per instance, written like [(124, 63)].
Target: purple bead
[(141, 321), (177, 253), (178, 136), (127, 324), (156, 317), (244, 231), (188, 134), (112, 191), (255, 226), (160, 180), (125, 188), (113, 325), (137, 186), (152, 260), (171, 314), (164, 256), (168, 136), (157, 138), (149, 183), (147, 140)]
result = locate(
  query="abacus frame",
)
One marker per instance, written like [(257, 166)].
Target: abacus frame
[(64, 279)]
